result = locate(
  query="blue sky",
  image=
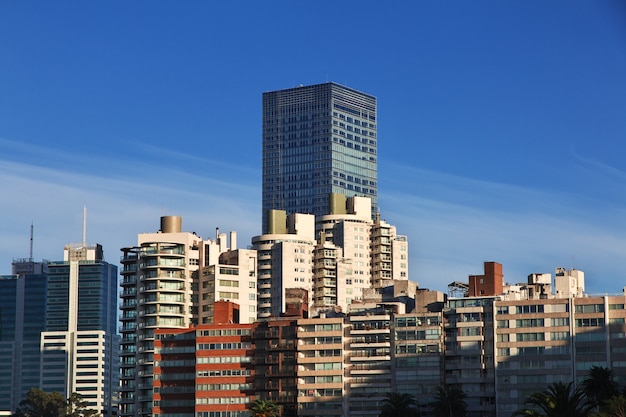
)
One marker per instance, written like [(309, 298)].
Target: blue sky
[(501, 125)]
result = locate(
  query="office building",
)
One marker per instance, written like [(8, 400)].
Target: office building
[(158, 291), (317, 140), (80, 345), (22, 319)]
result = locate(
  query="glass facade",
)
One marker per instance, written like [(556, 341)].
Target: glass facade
[(22, 310), (97, 296), (318, 140)]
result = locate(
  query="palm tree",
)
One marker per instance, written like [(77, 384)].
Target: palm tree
[(599, 385), (559, 400), (449, 402), (398, 405), (264, 408)]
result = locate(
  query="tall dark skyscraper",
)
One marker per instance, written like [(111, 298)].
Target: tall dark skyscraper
[(317, 140)]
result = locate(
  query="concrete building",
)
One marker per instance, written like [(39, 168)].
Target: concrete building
[(227, 274), (159, 290), (498, 349), (566, 336), (80, 345), (469, 351), (275, 363), (354, 253), (320, 366), (569, 282), (369, 360), (22, 319), (318, 139), (285, 259)]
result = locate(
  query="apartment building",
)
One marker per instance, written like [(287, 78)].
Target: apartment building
[(205, 371), (227, 273), (542, 341), (158, 291), (321, 368), (275, 363), (469, 351), (285, 259)]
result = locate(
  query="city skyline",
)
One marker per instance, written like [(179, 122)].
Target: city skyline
[(500, 128)]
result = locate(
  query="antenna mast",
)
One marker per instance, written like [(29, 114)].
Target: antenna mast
[(31, 242)]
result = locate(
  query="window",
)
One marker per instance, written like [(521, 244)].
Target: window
[(561, 321), (531, 350), (529, 323), (590, 322), (535, 308), (530, 337), (590, 308), (559, 336)]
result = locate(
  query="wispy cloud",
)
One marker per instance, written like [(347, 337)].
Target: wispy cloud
[(119, 206), (453, 223)]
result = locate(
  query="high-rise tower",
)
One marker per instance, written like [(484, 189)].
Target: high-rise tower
[(318, 140), (159, 290), (22, 319), (80, 347)]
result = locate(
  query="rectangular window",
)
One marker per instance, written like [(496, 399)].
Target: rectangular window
[(590, 308)]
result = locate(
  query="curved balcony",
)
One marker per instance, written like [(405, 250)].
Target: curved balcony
[(160, 298), (160, 262)]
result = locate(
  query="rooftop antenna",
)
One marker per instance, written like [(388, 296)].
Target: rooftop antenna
[(84, 226), (31, 242)]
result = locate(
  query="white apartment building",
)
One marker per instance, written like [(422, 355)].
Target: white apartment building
[(336, 257), (285, 259), (366, 253), (157, 292), (227, 274)]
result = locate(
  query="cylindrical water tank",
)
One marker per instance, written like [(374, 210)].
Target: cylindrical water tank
[(171, 224)]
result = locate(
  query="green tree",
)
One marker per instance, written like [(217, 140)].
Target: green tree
[(39, 403), (77, 407), (399, 405), (558, 400), (264, 408), (449, 402), (599, 385)]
